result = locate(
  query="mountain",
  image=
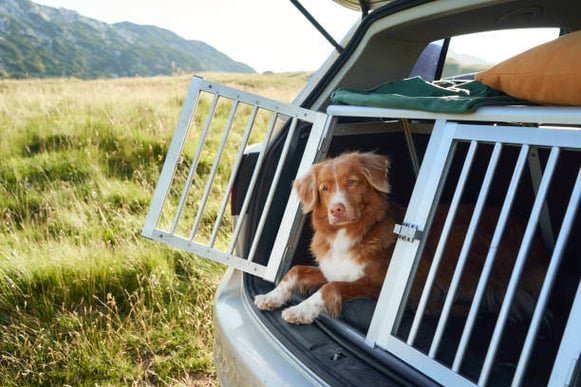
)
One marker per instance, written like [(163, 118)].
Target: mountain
[(463, 64), (469, 59), (40, 41)]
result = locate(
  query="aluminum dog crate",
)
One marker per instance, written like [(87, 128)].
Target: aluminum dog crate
[(189, 209)]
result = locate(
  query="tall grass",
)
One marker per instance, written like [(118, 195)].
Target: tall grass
[(84, 300)]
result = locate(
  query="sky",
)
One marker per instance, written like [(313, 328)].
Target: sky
[(268, 35)]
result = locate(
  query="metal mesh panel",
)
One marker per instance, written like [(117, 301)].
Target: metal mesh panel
[(190, 208)]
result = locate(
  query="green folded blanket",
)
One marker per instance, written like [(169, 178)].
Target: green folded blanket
[(417, 94)]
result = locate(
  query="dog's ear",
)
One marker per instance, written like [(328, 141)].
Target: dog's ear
[(375, 168), (307, 190)]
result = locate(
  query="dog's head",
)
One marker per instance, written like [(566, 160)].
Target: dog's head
[(342, 189)]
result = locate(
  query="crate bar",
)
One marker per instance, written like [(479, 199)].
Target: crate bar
[(457, 276), (253, 99), (208, 252), (547, 233), (490, 258), (233, 175), (407, 131), (442, 241), (568, 357), (273, 185), (558, 115), (194, 166), (560, 245), (171, 160), (519, 265), (212, 175), (439, 372), (252, 183), (561, 137)]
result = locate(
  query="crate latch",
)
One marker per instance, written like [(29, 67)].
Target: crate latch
[(407, 232)]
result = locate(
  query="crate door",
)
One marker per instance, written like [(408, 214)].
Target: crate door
[(190, 208), (463, 161)]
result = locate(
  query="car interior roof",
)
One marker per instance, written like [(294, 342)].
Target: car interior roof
[(521, 14)]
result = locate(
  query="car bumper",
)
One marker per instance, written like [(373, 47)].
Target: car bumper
[(245, 353)]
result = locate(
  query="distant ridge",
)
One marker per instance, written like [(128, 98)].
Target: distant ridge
[(38, 42)]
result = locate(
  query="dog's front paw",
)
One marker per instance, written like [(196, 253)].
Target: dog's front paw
[(306, 312), (297, 315), (268, 301)]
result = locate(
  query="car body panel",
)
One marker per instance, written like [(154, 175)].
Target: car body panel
[(244, 353)]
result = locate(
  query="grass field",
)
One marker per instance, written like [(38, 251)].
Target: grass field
[(84, 299)]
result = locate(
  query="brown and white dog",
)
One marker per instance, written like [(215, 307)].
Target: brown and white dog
[(353, 236), (353, 242)]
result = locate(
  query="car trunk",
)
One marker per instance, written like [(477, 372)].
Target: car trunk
[(271, 233)]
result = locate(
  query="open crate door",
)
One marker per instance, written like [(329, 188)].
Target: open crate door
[(190, 209)]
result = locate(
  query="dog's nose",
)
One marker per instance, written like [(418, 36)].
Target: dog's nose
[(337, 209)]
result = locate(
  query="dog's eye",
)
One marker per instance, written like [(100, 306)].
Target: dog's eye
[(323, 188), (351, 182)]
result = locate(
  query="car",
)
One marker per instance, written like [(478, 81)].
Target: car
[(225, 192)]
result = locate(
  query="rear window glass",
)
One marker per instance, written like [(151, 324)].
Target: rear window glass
[(471, 53)]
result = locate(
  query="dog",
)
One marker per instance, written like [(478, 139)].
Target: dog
[(353, 242)]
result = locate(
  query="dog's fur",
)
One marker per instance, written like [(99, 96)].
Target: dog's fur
[(353, 242)]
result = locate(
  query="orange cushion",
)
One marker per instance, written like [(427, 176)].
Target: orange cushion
[(548, 74)]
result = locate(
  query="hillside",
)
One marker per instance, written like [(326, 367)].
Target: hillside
[(39, 41)]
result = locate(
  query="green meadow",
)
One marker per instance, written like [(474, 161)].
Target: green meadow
[(84, 299)]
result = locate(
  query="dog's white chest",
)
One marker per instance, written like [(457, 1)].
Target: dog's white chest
[(338, 264)]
